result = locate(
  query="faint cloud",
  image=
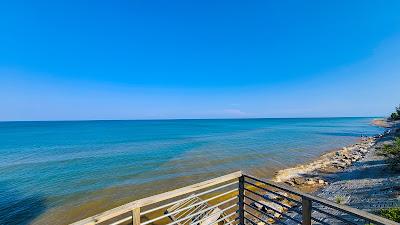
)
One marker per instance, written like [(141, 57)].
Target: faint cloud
[(234, 112)]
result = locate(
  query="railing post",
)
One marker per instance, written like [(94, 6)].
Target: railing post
[(241, 200), (136, 216), (306, 210)]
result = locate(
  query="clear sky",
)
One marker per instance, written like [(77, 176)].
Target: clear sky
[(71, 60)]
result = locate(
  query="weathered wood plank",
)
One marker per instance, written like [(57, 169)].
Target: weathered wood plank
[(136, 216), (101, 217), (188, 189)]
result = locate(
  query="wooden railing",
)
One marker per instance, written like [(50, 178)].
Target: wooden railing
[(233, 199)]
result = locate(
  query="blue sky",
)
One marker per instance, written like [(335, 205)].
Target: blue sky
[(198, 59)]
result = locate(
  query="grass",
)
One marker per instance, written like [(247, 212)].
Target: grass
[(339, 199), (391, 214)]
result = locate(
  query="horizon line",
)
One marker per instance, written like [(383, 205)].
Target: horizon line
[(238, 118)]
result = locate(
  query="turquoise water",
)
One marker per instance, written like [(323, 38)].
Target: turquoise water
[(52, 167)]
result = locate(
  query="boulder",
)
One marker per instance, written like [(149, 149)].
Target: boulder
[(263, 204), (271, 205), (280, 198), (289, 182), (257, 205), (310, 182), (299, 180), (277, 215), (270, 196), (275, 196)]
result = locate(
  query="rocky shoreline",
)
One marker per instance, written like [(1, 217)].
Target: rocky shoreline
[(312, 176), (309, 177), (340, 174)]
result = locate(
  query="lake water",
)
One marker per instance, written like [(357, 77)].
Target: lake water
[(59, 172)]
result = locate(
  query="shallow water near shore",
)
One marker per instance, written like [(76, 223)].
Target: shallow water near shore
[(60, 172)]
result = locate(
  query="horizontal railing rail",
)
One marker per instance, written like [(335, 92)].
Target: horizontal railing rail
[(234, 199)]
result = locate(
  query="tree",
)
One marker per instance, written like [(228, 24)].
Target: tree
[(394, 116)]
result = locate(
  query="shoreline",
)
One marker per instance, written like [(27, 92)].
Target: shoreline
[(355, 176), (310, 177), (92, 207)]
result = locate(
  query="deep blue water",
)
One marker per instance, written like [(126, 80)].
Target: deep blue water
[(50, 166)]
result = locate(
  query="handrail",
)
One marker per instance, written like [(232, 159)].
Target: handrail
[(307, 201), (353, 211), (189, 198), (101, 217)]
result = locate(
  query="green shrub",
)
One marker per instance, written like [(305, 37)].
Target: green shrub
[(392, 153), (339, 199), (391, 214)]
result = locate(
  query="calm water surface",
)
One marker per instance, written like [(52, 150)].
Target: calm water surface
[(57, 172)]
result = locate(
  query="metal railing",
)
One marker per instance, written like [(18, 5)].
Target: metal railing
[(234, 199)]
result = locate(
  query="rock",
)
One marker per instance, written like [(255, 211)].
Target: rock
[(257, 205), (289, 182), (299, 180), (277, 215), (263, 203), (270, 196), (280, 198), (339, 164), (310, 182), (275, 196), (347, 162), (276, 207)]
